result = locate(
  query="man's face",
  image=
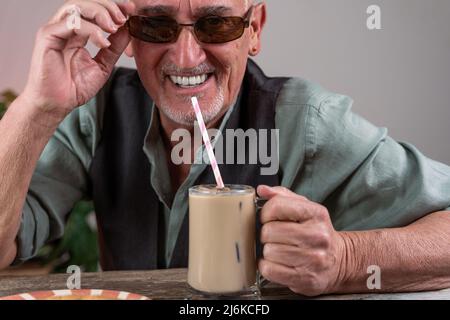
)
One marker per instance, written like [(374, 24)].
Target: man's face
[(216, 70)]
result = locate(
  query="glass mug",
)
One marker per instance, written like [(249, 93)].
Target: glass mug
[(222, 246)]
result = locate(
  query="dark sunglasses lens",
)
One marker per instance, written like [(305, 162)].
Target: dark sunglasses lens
[(219, 29), (153, 29)]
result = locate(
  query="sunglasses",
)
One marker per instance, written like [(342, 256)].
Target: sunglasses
[(208, 29)]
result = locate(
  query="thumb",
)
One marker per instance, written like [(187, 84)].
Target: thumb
[(108, 57)]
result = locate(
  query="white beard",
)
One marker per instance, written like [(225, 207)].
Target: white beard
[(188, 118)]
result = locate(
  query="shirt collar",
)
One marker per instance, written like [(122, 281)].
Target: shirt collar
[(153, 143)]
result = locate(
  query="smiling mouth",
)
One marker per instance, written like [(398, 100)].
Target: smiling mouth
[(190, 81)]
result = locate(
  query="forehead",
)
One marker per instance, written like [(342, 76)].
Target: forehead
[(193, 6)]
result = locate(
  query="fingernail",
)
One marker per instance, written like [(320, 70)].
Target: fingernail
[(107, 42), (262, 186), (113, 27), (121, 18)]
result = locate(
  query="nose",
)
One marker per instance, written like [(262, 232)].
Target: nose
[(187, 52)]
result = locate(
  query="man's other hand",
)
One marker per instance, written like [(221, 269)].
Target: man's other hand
[(301, 248)]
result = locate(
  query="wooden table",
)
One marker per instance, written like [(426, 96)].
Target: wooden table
[(171, 284)]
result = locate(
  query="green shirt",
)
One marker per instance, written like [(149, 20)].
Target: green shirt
[(327, 153)]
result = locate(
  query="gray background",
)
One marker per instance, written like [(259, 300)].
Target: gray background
[(399, 76)]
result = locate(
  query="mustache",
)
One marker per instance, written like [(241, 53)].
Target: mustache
[(173, 69)]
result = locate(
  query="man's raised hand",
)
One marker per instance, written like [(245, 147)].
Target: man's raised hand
[(63, 75)]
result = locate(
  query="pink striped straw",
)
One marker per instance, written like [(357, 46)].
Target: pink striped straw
[(209, 148)]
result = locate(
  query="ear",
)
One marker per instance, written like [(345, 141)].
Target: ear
[(256, 26), (129, 50)]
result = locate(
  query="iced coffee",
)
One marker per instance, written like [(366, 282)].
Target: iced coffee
[(222, 239)]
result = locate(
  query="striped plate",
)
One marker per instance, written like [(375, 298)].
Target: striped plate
[(91, 294)]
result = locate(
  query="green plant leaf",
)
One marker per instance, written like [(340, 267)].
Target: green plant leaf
[(78, 245)]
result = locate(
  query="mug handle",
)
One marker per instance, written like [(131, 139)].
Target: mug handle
[(260, 281), (259, 203)]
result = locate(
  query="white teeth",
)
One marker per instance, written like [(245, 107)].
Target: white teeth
[(189, 81)]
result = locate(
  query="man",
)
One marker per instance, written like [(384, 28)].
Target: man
[(346, 196)]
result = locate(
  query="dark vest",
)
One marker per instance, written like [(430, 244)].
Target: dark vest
[(127, 207)]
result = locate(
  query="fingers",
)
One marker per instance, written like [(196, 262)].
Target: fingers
[(91, 11), (282, 254), (304, 236), (269, 192), (301, 281), (114, 10), (281, 232), (108, 15), (296, 257), (277, 273), (282, 208), (278, 196), (128, 8), (107, 57), (55, 36), (96, 17), (92, 32)]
